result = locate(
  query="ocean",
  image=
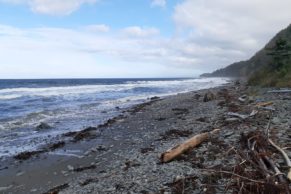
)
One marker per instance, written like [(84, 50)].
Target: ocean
[(72, 104)]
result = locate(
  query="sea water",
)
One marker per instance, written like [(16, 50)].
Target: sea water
[(73, 104)]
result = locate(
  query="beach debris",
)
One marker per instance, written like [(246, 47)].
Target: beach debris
[(253, 113), (43, 126), (180, 111), (209, 96), (20, 173), (160, 119), (178, 186), (269, 108), (231, 120), (88, 181), (82, 135), (258, 156), (237, 83), (146, 150), (88, 133), (279, 91), (57, 145), (264, 104), (70, 167), (202, 119), (242, 116), (5, 188), (175, 133), (90, 167), (57, 189), (285, 156), (197, 96), (176, 151), (28, 154), (140, 107), (155, 98), (99, 148), (243, 98), (130, 164)]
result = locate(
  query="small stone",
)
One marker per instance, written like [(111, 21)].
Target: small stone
[(276, 120), (178, 178), (71, 168), (230, 120), (228, 134), (43, 126), (209, 96), (20, 174)]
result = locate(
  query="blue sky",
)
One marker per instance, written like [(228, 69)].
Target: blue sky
[(132, 38), (117, 14)]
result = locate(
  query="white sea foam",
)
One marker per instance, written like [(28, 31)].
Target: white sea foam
[(9, 96), (12, 93)]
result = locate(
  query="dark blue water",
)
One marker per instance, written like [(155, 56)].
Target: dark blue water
[(72, 104), (42, 83)]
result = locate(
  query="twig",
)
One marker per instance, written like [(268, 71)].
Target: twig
[(275, 168), (234, 174), (267, 132), (241, 188)]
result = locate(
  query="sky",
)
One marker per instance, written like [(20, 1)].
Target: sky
[(132, 38)]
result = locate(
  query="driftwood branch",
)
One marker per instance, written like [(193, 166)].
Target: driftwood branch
[(176, 151), (234, 174), (264, 104), (285, 156), (283, 153), (279, 91), (241, 116)]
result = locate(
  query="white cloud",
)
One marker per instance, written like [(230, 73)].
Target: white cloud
[(98, 28), (158, 3), (240, 26), (60, 52), (52, 7), (210, 34), (136, 31)]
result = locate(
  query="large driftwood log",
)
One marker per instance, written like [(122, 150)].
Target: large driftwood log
[(176, 151)]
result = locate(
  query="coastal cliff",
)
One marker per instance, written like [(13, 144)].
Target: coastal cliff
[(271, 66)]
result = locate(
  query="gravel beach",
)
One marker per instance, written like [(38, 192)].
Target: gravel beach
[(123, 154)]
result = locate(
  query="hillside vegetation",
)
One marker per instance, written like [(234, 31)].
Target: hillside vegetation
[(271, 66)]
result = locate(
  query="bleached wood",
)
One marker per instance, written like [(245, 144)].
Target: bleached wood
[(176, 151)]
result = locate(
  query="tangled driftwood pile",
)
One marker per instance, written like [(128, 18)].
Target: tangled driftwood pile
[(256, 170)]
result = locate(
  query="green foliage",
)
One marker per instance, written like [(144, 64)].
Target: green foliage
[(271, 66), (280, 53), (278, 74)]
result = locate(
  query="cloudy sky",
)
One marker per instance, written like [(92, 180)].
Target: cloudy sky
[(132, 38)]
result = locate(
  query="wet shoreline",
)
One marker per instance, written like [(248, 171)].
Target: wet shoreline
[(122, 155)]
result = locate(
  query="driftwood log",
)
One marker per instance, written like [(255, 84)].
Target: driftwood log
[(176, 151), (264, 104)]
